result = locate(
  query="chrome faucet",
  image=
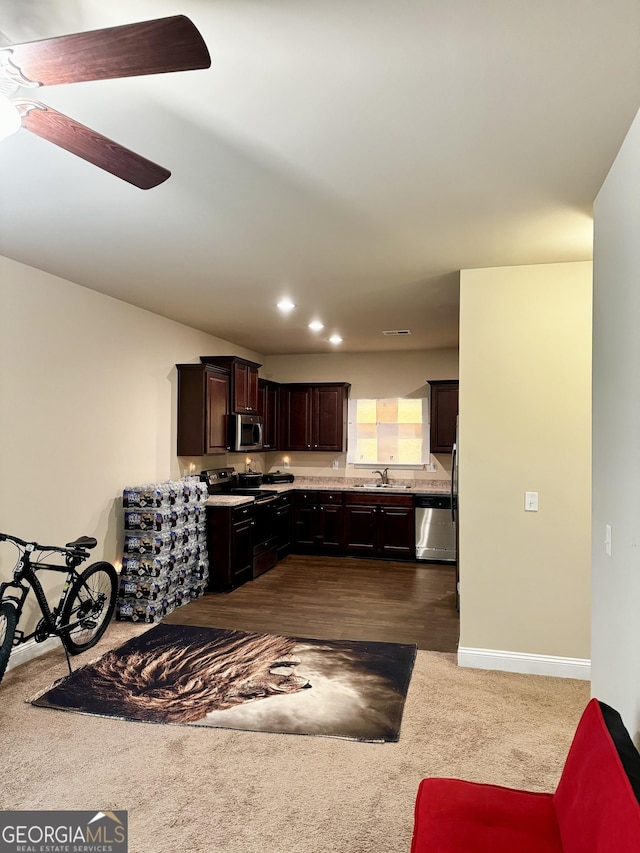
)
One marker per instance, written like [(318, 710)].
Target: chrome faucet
[(385, 476)]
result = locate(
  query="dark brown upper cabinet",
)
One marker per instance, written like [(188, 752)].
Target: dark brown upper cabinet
[(444, 414), (244, 382), (269, 409), (314, 416), (203, 408)]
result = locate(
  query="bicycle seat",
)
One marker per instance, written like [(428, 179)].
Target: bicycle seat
[(82, 542)]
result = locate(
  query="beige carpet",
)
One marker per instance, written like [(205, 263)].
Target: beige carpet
[(222, 791)]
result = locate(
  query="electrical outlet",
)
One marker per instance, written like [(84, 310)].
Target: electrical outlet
[(335, 464), (607, 540)]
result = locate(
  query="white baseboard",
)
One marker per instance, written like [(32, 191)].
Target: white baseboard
[(31, 650), (525, 663)]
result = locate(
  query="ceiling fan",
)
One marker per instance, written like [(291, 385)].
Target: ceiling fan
[(149, 47)]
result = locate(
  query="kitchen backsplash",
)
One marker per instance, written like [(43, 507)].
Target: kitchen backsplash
[(311, 466), (400, 482)]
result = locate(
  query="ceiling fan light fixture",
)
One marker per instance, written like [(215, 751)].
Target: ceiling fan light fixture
[(10, 120)]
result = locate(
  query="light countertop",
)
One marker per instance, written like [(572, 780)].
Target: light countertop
[(412, 487), (228, 500)]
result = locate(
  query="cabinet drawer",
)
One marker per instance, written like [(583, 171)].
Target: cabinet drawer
[(368, 499), (329, 497), (239, 513), (315, 497)]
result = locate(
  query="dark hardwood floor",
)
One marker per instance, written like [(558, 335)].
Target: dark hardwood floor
[(332, 598)]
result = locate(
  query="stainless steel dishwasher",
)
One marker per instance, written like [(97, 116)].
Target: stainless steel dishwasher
[(435, 528)]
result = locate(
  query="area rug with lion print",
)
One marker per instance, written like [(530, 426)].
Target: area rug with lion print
[(222, 678)]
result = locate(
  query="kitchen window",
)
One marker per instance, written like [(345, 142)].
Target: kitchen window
[(390, 432)]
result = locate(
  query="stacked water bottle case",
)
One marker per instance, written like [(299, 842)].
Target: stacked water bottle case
[(164, 562)]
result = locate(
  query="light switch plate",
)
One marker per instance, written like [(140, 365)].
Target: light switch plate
[(531, 502)]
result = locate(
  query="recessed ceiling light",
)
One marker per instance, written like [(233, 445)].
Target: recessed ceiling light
[(316, 326), (286, 304), (335, 339)]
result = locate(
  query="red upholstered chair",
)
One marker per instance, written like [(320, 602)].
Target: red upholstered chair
[(595, 809)]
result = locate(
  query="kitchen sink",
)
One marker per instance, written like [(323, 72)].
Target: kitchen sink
[(379, 486)]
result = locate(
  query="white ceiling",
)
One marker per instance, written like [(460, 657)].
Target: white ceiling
[(351, 154)]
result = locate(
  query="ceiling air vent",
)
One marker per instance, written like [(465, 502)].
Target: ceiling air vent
[(397, 332)]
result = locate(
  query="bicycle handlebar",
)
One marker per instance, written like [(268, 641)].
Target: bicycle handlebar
[(17, 541)]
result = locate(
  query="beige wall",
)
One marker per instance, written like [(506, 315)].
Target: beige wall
[(371, 374), (616, 436), (88, 391), (525, 396)]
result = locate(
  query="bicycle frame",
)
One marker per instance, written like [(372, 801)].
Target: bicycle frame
[(25, 571), (87, 601)]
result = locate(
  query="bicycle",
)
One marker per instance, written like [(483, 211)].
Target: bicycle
[(86, 603)]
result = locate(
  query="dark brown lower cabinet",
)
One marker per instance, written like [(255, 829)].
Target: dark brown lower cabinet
[(283, 515), (319, 521), (397, 531), (360, 528), (379, 525), (230, 546)]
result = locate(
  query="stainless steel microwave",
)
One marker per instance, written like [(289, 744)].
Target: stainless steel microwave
[(246, 432)]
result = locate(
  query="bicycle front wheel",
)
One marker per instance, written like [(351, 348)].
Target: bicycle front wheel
[(8, 622), (89, 607)]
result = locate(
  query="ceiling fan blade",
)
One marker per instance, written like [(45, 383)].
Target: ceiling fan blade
[(91, 146), (148, 47)]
